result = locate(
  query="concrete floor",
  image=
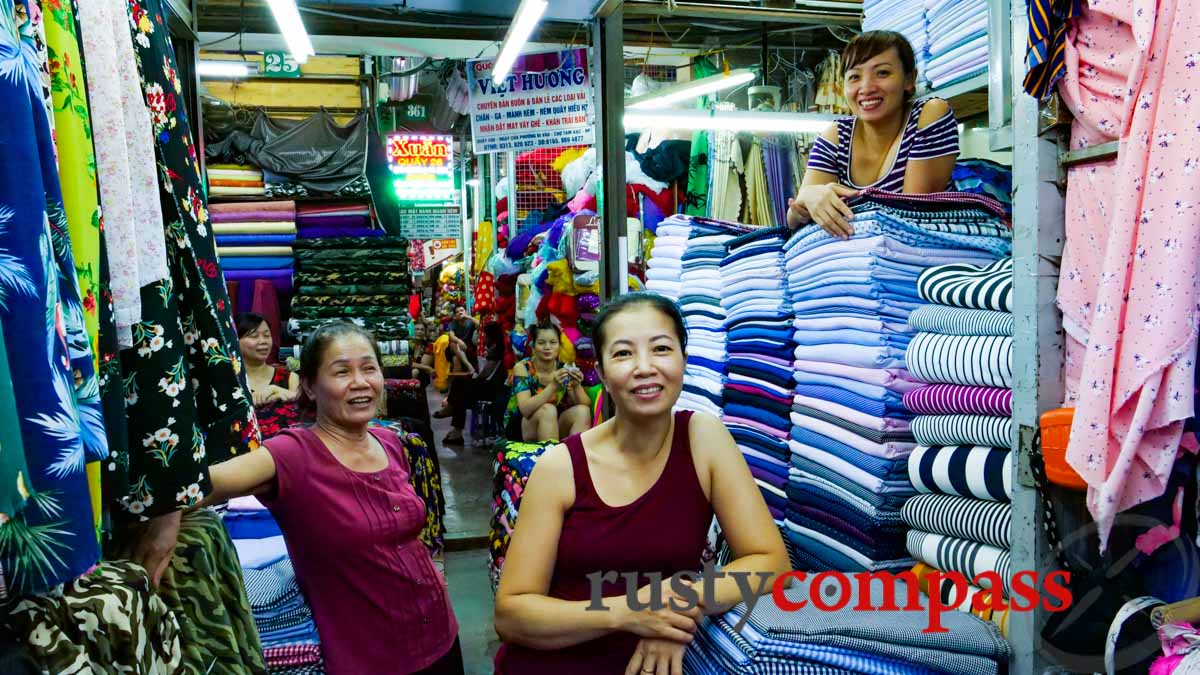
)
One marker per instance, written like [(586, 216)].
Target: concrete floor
[(467, 486)]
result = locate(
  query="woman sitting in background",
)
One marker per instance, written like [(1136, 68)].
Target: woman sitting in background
[(420, 351), (268, 383), (634, 495), (547, 395)]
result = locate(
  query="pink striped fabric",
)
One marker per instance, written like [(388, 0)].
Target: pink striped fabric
[(951, 399)]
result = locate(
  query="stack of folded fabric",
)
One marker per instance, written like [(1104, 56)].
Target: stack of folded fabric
[(254, 242), (905, 17), (351, 219), (235, 180), (851, 435), (512, 466), (360, 279), (958, 40), (291, 645), (963, 424), (703, 315), (666, 258), (814, 641), (757, 392)]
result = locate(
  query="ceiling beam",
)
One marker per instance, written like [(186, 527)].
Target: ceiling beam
[(729, 12)]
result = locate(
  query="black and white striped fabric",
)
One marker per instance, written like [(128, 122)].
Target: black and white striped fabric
[(964, 470), (984, 360), (970, 286), (969, 558), (963, 430), (960, 321), (974, 519)]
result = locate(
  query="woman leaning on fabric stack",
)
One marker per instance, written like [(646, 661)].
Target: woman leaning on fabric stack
[(892, 143)]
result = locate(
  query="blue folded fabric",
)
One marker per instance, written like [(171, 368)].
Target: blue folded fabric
[(743, 435), (873, 407), (887, 307), (781, 333), (255, 239), (759, 367), (861, 356), (851, 337), (896, 290), (773, 499), (773, 348), (703, 393), (759, 415), (892, 499), (255, 262), (251, 525), (705, 363), (873, 392), (887, 469)]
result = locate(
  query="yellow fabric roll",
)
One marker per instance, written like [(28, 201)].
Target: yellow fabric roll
[(235, 174), (254, 228), (242, 251), (234, 167), (236, 191), (566, 349), (485, 245), (569, 155)]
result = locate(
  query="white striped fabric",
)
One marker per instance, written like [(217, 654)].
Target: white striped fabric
[(975, 519), (964, 470), (963, 430), (960, 321), (984, 360), (970, 286), (969, 558)]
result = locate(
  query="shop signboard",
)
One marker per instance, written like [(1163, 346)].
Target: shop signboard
[(439, 250), (431, 222), (428, 197), (545, 102), (280, 64)]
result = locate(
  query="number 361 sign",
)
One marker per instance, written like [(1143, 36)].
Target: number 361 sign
[(280, 64)]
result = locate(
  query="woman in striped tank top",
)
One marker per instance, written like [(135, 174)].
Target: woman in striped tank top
[(892, 143)]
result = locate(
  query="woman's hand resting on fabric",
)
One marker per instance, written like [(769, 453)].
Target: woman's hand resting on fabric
[(664, 624), (154, 544), (823, 205), (661, 657)]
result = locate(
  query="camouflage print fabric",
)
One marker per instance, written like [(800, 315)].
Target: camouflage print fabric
[(108, 621), (383, 328), (353, 267), (301, 311), (372, 243), (350, 256), (356, 289), (304, 278), (205, 590), (393, 300)]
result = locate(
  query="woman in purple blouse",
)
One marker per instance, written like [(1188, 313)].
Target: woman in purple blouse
[(341, 494)]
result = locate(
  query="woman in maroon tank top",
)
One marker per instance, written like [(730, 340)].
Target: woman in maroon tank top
[(636, 495)]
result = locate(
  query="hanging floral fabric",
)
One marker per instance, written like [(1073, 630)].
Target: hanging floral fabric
[(13, 490), (185, 343), (115, 469), (53, 539), (32, 29)]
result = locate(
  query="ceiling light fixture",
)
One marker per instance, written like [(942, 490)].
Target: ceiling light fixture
[(287, 18), (528, 15), (235, 70), (683, 91), (733, 120)]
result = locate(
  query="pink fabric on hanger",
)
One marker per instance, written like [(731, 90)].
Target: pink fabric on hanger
[(266, 304), (1129, 287)]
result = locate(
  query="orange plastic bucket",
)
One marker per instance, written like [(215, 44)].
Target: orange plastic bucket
[(1056, 432)]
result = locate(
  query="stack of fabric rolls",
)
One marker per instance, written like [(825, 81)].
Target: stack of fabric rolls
[(360, 279), (235, 180), (703, 315), (958, 40), (291, 644), (851, 435), (757, 390), (511, 468), (254, 242), (905, 17), (350, 219), (963, 423), (811, 640)]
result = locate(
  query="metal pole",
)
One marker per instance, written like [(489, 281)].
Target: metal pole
[(608, 68), (510, 171), (467, 231), (491, 190)]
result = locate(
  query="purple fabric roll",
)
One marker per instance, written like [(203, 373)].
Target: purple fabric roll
[(282, 280), (951, 399), (320, 232), (259, 216), (303, 221)]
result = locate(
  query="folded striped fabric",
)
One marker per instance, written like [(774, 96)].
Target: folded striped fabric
[(960, 359), (235, 174), (960, 321), (963, 430), (240, 251), (236, 182), (218, 191), (254, 228), (969, 286), (964, 470), (969, 558), (979, 520), (943, 399)]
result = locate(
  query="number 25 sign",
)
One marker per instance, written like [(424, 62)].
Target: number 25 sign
[(280, 64)]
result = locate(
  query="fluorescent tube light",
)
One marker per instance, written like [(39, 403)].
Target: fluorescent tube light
[(683, 91), (528, 15), (287, 17), (226, 69), (735, 120)]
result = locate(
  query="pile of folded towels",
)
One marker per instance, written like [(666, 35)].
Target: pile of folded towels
[(235, 180)]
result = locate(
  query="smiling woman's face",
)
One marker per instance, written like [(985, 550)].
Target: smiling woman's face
[(349, 382), (876, 89), (643, 362)]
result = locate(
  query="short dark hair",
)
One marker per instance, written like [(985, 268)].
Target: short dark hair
[(317, 343), (629, 301), (541, 327), (868, 45), (247, 322), (493, 334)]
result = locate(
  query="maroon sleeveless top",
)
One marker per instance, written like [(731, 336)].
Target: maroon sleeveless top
[(662, 531)]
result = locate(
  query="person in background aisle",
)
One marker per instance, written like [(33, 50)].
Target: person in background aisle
[(458, 395), (488, 387), (420, 351), (636, 494), (340, 491), (464, 326), (268, 383), (547, 396), (892, 143)]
